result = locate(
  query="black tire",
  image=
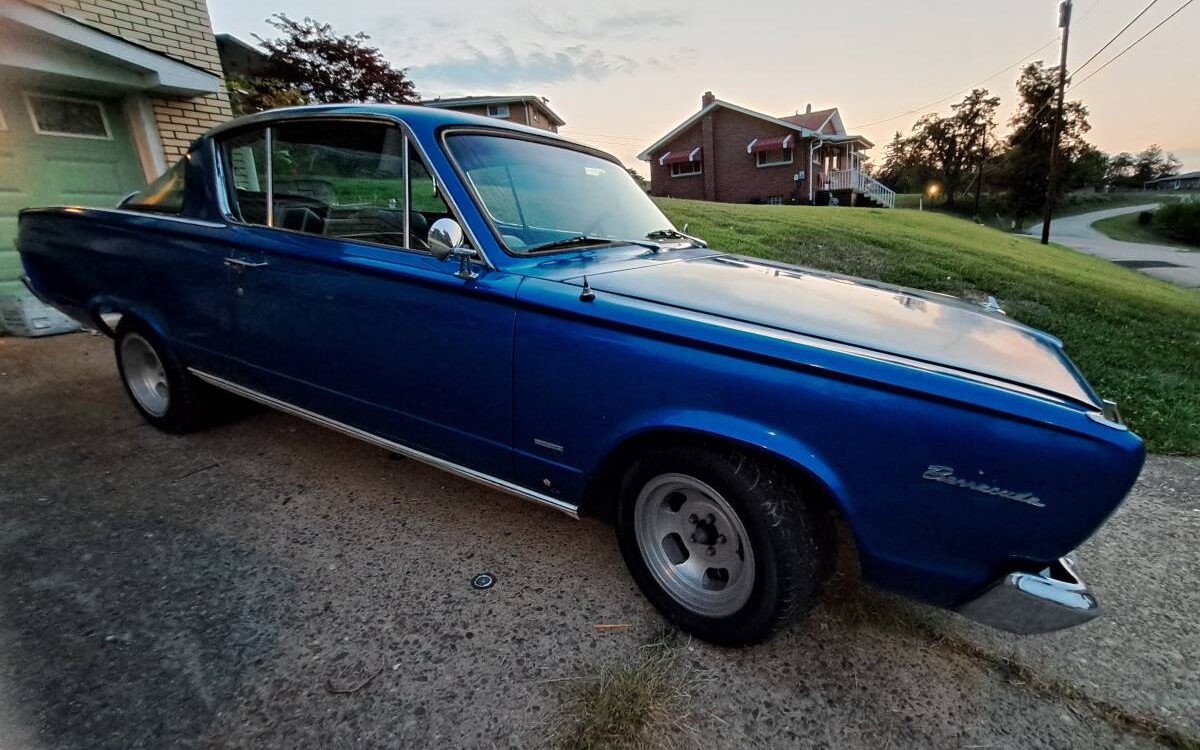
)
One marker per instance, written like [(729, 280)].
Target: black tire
[(786, 541), (188, 400)]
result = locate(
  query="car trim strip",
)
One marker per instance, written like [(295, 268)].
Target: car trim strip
[(467, 473)]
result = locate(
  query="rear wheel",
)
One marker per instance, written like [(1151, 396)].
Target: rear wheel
[(162, 390), (720, 541)]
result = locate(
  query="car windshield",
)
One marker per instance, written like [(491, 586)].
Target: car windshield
[(543, 197)]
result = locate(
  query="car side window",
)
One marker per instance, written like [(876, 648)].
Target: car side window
[(164, 195), (336, 179), (245, 161)]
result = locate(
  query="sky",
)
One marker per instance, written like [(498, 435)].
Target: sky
[(622, 74)]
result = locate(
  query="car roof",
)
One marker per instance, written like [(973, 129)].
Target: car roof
[(416, 116)]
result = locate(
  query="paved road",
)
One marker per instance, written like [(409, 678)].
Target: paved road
[(199, 591), (1176, 266)]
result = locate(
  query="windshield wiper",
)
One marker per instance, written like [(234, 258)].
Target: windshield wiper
[(586, 239)]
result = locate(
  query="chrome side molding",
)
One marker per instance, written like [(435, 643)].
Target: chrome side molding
[(440, 463), (1028, 603)]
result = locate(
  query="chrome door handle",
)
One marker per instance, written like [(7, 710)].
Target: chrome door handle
[(239, 263)]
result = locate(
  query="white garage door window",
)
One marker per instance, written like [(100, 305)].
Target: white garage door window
[(67, 116)]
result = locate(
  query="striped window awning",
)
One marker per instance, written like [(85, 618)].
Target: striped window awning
[(775, 143), (680, 156)]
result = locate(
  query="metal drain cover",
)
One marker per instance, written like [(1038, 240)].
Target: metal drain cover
[(483, 581)]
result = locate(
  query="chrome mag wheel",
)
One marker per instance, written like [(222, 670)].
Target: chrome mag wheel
[(694, 545), (145, 374)]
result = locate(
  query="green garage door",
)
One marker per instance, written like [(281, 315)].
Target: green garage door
[(59, 148)]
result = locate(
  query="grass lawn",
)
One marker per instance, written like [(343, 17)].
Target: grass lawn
[(1136, 339), (1127, 229)]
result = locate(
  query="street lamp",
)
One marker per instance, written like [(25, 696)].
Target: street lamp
[(931, 190)]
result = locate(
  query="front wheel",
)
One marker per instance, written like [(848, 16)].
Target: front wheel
[(720, 542)]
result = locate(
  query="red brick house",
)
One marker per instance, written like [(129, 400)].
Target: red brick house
[(731, 154)]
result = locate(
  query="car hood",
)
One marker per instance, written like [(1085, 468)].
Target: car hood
[(924, 326)]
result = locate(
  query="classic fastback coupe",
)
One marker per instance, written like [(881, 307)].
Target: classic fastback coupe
[(507, 305)]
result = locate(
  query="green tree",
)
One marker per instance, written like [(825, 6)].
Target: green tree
[(1152, 164), (1119, 172), (310, 59), (1089, 170), (947, 149), (1027, 160), (254, 94)]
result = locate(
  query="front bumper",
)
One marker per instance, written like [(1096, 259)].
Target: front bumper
[(1028, 603)]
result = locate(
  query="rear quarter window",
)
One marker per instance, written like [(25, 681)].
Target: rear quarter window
[(163, 196)]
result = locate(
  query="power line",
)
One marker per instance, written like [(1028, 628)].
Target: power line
[(1073, 86), (914, 110), (923, 107), (1116, 36), (1131, 46)]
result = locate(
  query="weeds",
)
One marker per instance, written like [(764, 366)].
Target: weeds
[(644, 703)]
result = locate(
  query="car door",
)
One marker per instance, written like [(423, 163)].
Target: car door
[(339, 314)]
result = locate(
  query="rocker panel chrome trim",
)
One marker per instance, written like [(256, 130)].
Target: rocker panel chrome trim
[(440, 463)]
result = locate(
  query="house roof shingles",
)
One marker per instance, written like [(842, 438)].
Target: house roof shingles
[(811, 120)]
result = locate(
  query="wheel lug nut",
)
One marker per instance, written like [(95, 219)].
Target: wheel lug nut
[(693, 520), (712, 551), (710, 518), (721, 539)]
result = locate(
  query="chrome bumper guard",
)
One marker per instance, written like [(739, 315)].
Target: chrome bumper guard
[(1028, 603)]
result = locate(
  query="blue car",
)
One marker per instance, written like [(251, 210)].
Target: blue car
[(509, 306)]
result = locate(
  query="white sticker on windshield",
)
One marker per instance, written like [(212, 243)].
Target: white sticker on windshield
[(593, 171)]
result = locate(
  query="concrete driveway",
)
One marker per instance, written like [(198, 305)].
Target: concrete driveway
[(219, 589), (1169, 264)]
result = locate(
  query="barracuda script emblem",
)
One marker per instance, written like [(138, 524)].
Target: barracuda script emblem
[(945, 475)]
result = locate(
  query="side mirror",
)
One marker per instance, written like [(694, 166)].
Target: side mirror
[(445, 236), (446, 240)]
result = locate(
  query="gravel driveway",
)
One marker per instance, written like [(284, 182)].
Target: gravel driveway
[(219, 589)]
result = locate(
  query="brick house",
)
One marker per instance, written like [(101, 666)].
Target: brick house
[(98, 97), (732, 154), (524, 109)]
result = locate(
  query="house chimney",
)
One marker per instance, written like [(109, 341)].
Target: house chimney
[(707, 99), (808, 109)]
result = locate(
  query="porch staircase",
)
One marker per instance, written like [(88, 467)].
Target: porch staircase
[(868, 191)]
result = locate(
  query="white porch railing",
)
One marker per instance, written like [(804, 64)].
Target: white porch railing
[(852, 179)]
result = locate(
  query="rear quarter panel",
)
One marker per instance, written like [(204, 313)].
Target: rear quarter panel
[(589, 376), (167, 271)]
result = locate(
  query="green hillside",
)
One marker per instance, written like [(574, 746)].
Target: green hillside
[(1136, 339)]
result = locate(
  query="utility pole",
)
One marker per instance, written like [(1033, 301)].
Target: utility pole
[(1064, 23), (979, 174)]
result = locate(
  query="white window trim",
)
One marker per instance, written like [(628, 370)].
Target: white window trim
[(758, 162), (502, 110), (699, 170), (37, 129)]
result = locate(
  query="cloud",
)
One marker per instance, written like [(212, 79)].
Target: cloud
[(474, 68), (627, 23)]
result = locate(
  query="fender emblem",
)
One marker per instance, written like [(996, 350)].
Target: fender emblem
[(945, 475)]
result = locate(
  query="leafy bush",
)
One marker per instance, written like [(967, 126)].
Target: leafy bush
[(1180, 221), (1144, 218)]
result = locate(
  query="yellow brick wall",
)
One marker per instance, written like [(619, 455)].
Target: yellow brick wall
[(179, 29)]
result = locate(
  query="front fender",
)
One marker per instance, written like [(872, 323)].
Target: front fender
[(771, 441)]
